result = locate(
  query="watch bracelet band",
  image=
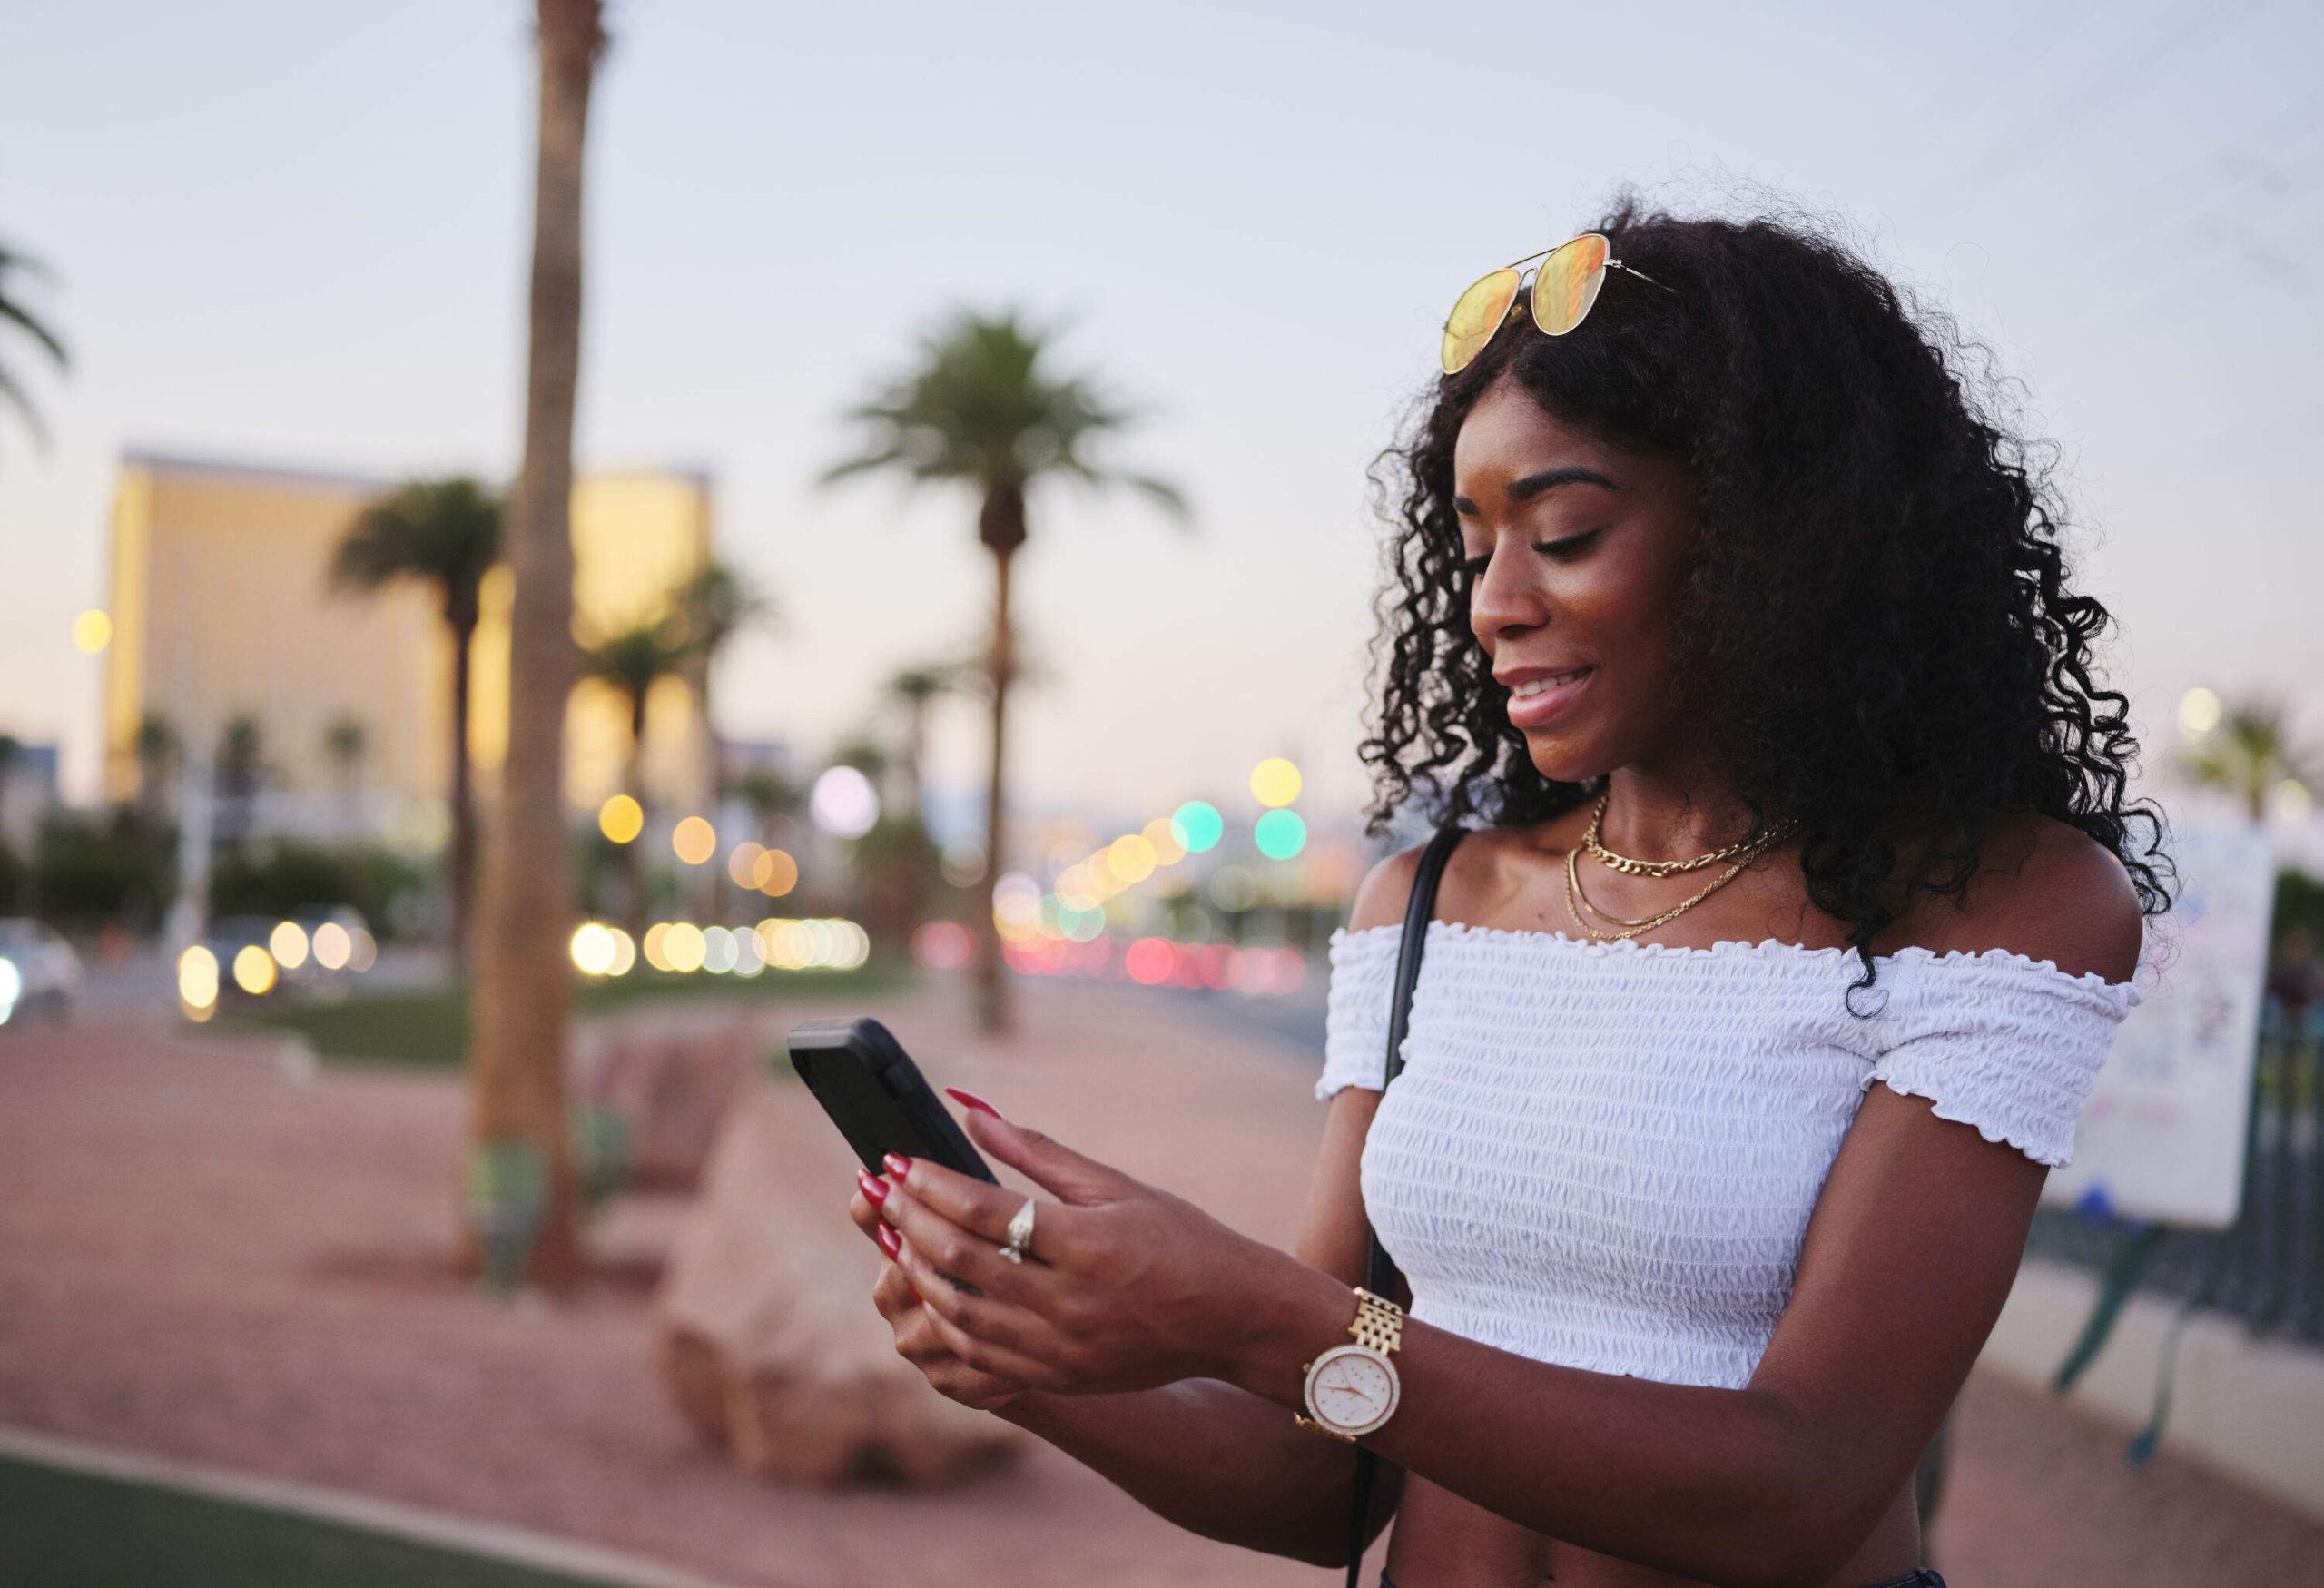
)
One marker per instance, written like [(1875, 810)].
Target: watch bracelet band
[(1379, 1324)]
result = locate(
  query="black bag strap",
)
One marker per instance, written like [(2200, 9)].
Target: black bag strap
[(1380, 1275)]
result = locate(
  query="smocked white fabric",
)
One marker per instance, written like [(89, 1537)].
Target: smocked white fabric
[(1605, 1155)]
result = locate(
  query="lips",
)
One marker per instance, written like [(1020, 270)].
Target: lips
[(1539, 695)]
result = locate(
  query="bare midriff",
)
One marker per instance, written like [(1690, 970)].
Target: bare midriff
[(1442, 1541)]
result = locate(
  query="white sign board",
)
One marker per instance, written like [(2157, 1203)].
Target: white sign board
[(2163, 1135)]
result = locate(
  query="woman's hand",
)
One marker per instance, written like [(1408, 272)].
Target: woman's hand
[(1124, 1287), (917, 1341)]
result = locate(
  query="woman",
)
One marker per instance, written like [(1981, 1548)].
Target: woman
[(1742, 637)]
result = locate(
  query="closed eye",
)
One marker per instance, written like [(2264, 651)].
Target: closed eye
[(1572, 546)]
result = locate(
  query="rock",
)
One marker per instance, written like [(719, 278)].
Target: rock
[(765, 1326), (669, 1081)]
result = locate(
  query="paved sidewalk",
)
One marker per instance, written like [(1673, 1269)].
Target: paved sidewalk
[(204, 1257)]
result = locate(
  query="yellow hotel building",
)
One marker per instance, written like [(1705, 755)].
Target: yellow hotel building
[(222, 609)]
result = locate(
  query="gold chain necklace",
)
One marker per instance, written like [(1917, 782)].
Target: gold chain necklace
[(1577, 901), (1658, 868)]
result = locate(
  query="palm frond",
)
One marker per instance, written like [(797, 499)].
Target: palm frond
[(15, 398), (21, 317), (980, 407)]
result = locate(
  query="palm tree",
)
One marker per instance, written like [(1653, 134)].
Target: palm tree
[(711, 608), (523, 984), (980, 408), (2248, 753), (445, 534), (345, 742), (913, 690), (631, 663), (156, 748), (13, 310), (772, 800), (241, 768)]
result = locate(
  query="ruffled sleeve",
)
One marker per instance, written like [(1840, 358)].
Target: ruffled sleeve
[(1995, 1039), (1356, 1008)]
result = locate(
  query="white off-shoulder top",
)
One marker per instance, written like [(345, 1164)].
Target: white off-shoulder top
[(1605, 1155)]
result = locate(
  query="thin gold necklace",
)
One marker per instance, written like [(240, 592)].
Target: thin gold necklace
[(1658, 868), (1577, 901)]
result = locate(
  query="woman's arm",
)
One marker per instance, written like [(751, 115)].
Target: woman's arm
[(1211, 1457)]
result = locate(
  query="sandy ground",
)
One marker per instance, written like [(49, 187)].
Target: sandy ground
[(203, 1255)]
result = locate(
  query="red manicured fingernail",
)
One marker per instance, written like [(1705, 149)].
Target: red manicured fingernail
[(873, 1186), (898, 1165), (971, 1100), (890, 1241)]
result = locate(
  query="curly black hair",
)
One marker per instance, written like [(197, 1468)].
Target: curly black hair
[(1876, 626)]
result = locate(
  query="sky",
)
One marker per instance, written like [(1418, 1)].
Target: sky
[(294, 234)]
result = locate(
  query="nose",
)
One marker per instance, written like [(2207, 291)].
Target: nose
[(1504, 602)]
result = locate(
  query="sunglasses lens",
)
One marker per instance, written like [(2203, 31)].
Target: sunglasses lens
[(1567, 283), (1474, 319)]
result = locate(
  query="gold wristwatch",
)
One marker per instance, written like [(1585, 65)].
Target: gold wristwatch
[(1351, 1389)]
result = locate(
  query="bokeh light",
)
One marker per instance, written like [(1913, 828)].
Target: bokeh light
[(1130, 859), (844, 803), (621, 819), (1232, 888), (333, 946), (719, 954), (92, 631), (198, 977), (777, 873), (656, 937), (624, 952), (1163, 835), (2289, 801), (288, 943), (1280, 834), (694, 841), (1016, 902), (2199, 712), (1274, 782), (593, 949), (743, 863), (1197, 826), (682, 947), (944, 945), (253, 970), (963, 862)]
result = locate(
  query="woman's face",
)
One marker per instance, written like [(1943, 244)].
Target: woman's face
[(1576, 550)]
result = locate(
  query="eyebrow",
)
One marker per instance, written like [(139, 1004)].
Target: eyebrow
[(1548, 479)]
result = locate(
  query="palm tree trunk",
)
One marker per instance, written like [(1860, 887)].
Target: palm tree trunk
[(993, 1012), (517, 1079), (463, 796), (633, 853), (915, 746)]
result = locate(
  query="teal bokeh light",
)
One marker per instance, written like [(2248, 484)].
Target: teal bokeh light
[(1198, 826), (1280, 834)]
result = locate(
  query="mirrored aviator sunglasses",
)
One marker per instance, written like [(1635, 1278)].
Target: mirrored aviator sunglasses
[(1565, 287)]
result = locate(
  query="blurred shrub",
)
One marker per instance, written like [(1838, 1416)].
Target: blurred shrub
[(88, 871), (288, 876)]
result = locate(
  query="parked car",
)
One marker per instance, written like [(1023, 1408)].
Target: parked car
[(226, 943), (39, 971)]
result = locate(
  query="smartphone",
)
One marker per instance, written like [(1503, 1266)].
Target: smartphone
[(877, 1098)]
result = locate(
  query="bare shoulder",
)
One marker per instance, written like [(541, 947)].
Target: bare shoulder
[(1489, 875), (2046, 889), (1386, 888)]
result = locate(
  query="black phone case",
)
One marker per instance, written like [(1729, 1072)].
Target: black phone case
[(877, 1096)]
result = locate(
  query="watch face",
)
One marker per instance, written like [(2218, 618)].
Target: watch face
[(1351, 1389)]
